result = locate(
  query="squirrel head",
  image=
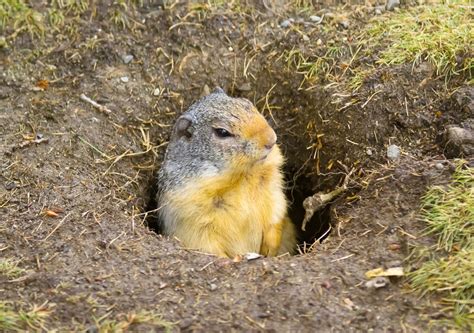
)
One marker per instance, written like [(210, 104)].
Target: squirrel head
[(220, 133)]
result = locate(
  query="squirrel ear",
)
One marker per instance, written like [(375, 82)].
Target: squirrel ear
[(183, 127), (218, 90)]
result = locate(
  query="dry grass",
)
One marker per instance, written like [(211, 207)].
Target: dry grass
[(14, 318), (130, 321)]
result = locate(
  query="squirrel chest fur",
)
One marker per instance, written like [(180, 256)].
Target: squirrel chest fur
[(220, 185)]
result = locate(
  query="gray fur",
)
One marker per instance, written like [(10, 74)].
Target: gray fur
[(202, 154)]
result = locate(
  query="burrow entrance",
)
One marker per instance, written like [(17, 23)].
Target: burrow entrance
[(317, 229), (298, 188), (299, 127)]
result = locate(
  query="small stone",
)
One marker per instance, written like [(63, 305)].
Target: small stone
[(344, 24), (378, 11), (439, 166), (305, 38), (156, 92), (212, 287), (315, 19), (464, 99), (252, 256), (369, 152), (393, 152), (459, 142), (205, 90), (124, 79), (391, 4), (231, 49), (127, 58), (185, 323), (285, 24), (378, 282), (10, 186)]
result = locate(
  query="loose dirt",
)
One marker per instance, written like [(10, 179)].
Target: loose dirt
[(97, 260)]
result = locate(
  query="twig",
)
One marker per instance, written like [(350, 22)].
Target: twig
[(99, 107), (319, 200), (56, 228), (345, 257)]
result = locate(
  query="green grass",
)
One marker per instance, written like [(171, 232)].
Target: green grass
[(14, 319), (17, 17), (440, 34), (449, 270), (21, 18), (449, 211), (10, 269)]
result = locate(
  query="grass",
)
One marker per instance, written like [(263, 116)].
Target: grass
[(449, 211), (358, 77), (17, 319), (105, 325), (440, 34), (21, 18), (17, 17), (313, 68), (449, 270), (10, 269)]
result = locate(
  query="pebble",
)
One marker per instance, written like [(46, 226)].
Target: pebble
[(393, 152), (212, 287), (319, 42), (391, 4), (10, 186), (369, 152), (344, 24), (379, 10), (124, 79), (459, 141), (285, 24), (378, 282), (305, 38), (315, 19), (127, 58), (439, 166), (156, 92)]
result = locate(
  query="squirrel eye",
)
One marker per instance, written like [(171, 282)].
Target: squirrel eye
[(222, 133)]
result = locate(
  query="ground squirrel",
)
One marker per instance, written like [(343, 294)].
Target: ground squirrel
[(221, 184)]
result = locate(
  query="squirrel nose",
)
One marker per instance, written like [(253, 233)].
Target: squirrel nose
[(271, 141), (270, 145)]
